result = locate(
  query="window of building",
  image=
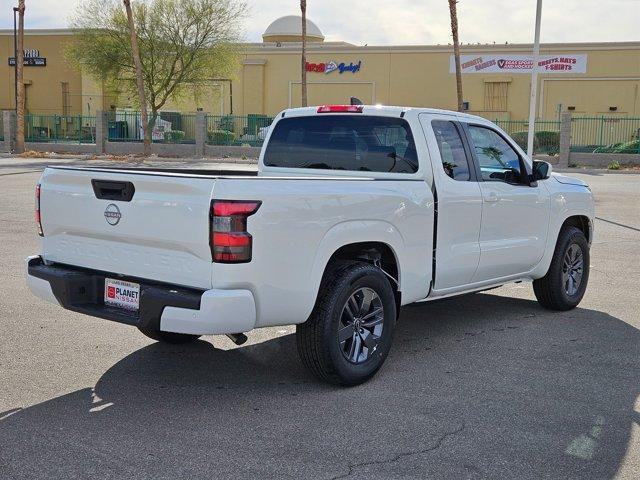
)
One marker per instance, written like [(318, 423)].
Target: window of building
[(498, 161), (452, 152), (343, 142), (496, 95)]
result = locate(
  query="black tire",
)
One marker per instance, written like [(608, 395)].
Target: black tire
[(168, 337), (317, 339), (551, 290)]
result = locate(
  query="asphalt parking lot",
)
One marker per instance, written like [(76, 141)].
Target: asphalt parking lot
[(484, 386)]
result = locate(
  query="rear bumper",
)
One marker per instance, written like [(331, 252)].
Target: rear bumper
[(162, 307)]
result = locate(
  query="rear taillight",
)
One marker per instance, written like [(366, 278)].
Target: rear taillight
[(38, 214), (230, 240), (341, 109)]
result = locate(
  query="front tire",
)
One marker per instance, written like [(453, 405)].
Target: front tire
[(348, 336), (168, 337), (564, 285)]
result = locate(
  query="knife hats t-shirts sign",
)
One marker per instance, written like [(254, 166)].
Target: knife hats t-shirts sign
[(520, 63)]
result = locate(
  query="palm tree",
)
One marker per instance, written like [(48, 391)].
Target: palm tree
[(20, 106), (135, 51), (456, 50), (303, 8)]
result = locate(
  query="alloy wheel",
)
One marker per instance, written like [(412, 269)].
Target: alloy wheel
[(572, 269), (361, 325)]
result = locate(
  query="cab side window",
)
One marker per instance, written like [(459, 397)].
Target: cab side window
[(499, 162), (452, 152)]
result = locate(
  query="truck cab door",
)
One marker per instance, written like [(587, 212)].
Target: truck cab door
[(515, 214), (458, 202)]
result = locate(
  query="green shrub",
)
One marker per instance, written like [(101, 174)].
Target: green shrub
[(548, 142), (220, 137), (174, 136), (227, 123), (543, 142), (629, 147), (607, 148), (615, 165), (521, 139)]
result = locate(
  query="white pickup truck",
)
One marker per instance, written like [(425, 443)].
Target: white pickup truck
[(354, 211)]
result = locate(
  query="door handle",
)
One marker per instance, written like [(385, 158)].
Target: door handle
[(491, 197)]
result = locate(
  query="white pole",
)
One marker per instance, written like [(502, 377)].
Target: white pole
[(534, 82)]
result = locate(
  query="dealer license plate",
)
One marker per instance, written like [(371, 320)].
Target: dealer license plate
[(118, 293)]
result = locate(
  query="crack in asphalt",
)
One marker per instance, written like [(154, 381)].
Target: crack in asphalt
[(401, 455)]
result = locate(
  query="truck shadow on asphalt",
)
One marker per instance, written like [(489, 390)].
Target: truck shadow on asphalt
[(482, 387)]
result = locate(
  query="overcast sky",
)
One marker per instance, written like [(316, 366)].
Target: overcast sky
[(401, 22)]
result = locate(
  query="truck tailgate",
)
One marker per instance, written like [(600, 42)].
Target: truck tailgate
[(161, 233)]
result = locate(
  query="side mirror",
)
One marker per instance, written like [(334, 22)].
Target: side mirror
[(541, 170)]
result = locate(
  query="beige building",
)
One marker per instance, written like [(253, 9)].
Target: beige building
[(52, 84), (586, 78)]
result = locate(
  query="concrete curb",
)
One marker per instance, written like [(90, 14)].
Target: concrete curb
[(134, 158), (596, 171)]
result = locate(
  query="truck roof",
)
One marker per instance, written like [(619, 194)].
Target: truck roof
[(390, 110)]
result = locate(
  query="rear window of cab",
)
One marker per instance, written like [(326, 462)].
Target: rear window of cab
[(343, 142)]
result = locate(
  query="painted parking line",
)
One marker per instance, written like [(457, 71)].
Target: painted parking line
[(618, 224), (19, 173)]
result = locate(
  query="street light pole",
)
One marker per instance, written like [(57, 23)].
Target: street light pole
[(534, 82), (15, 59)]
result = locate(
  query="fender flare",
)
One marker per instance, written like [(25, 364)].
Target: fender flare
[(355, 231), (554, 231)]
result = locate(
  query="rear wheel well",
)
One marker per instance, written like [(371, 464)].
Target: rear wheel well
[(581, 223), (377, 253)]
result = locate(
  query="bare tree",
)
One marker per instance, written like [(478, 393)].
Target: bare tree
[(20, 106), (135, 51), (303, 8), (456, 50)]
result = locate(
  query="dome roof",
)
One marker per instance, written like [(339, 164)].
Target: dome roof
[(291, 26)]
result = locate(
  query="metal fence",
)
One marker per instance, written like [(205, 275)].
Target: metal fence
[(546, 138), (605, 134), (124, 127), (169, 127), (237, 130), (60, 128), (183, 127)]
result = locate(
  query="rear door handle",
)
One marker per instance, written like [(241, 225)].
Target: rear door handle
[(491, 197)]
